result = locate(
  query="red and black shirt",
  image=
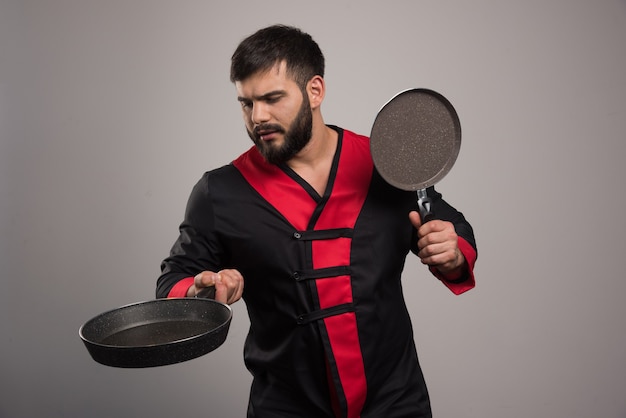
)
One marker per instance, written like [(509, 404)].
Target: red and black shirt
[(329, 334)]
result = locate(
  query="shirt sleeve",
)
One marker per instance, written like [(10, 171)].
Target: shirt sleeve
[(197, 248), (466, 242)]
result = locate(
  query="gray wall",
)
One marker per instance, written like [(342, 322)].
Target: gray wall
[(111, 110)]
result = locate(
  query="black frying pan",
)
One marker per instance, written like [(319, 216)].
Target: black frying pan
[(414, 142), (157, 332)]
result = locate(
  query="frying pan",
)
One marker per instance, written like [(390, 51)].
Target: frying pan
[(157, 332), (415, 141)]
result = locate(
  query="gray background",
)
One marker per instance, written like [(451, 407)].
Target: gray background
[(111, 110)]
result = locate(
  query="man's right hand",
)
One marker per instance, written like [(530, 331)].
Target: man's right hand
[(228, 285)]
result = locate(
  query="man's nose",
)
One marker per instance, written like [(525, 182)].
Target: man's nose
[(260, 113)]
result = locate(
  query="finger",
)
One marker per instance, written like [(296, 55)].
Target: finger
[(235, 293), (202, 280), (437, 232), (429, 253), (221, 289), (438, 259), (428, 241), (240, 286), (225, 283), (233, 283), (434, 226), (442, 256)]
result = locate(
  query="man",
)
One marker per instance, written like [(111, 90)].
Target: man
[(319, 240)]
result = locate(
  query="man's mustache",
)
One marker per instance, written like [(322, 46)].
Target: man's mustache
[(269, 127)]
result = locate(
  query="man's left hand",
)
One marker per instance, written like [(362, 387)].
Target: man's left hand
[(438, 246)]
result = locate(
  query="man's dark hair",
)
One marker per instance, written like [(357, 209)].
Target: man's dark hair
[(270, 46)]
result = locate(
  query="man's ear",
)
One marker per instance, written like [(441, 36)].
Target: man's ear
[(316, 89)]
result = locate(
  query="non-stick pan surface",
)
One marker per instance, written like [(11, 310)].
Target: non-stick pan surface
[(156, 332), (415, 140)]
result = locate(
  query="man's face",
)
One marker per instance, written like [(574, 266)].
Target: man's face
[(277, 114)]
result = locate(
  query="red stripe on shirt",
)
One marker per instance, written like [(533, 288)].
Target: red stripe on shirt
[(342, 210)]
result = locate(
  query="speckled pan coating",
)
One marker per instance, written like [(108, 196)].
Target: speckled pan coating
[(415, 139), (156, 332)]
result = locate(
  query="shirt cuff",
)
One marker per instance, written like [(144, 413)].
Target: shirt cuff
[(180, 289)]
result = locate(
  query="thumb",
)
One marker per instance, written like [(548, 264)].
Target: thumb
[(415, 219)]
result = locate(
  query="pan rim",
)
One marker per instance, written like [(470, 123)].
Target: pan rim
[(223, 324), (449, 161)]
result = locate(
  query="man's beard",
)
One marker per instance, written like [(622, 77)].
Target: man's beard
[(295, 138)]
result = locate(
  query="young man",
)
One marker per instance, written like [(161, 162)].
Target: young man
[(320, 240)]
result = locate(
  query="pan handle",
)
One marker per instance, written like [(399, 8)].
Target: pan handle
[(424, 203)]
